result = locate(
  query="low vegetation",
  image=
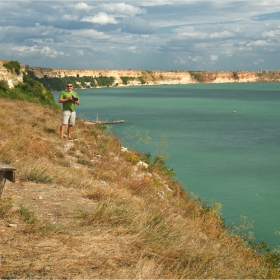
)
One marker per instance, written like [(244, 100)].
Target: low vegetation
[(13, 66), (30, 90), (89, 209), (58, 83), (197, 76), (126, 80)]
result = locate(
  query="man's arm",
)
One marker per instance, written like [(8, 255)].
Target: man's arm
[(63, 100)]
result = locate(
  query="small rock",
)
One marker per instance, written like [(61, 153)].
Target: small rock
[(12, 225), (141, 163), (124, 149)]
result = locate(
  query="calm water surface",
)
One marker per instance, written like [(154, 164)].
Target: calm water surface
[(221, 156)]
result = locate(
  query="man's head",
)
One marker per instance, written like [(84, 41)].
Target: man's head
[(69, 87)]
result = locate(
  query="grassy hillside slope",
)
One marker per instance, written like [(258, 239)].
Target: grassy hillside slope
[(85, 209)]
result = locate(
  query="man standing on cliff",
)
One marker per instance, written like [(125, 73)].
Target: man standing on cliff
[(69, 99)]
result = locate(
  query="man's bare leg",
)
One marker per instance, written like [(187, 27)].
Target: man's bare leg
[(70, 129), (62, 129)]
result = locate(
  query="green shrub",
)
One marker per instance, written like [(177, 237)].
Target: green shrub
[(27, 215), (4, 86), (160, 163), (141, 79), (125, 79), (6, 205), (13, 66), (85, 162), (104, 81), (198, 76)]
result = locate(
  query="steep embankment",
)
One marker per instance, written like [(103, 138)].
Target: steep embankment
[(137, 77), (88, 209)]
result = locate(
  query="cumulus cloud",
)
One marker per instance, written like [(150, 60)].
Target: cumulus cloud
[(271, 33), (100, 18), (122, 9), (213, 57), (196, 59), (196, 33), (80, 52), (222, 34), (69, 17), (258, 43), (187, 60), (81, 6), (24, 51)]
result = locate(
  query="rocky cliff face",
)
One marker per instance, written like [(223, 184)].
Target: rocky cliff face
[(11, 77), (138, 77), (163, 77)]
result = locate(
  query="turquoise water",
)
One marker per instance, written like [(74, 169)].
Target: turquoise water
[(221, 156)]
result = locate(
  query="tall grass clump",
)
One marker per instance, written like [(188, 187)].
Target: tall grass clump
[(6, 205), (37, 174)]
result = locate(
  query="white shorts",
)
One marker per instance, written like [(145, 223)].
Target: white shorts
[(68, 117)]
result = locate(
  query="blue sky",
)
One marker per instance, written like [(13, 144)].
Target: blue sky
[(213, 35)]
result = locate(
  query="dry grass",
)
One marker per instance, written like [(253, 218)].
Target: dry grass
[(84, 210)]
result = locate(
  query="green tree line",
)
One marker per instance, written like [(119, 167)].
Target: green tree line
[(58, 83)]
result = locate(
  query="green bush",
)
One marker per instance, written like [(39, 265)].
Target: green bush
[(104, 81), (4, 86), (198, 76), (141, 79), (13, 66), (125, 79)]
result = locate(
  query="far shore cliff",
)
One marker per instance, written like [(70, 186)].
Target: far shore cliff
[(157, 77), (145, 77)]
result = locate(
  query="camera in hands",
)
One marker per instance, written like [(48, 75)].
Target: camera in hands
[(75, 98)]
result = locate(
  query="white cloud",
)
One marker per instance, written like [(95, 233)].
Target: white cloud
[(69, 17), (180, 60), (81, 6), (271, 34), (196, 59), (204, 35), (222, 34), (100, 18), (213, 57), (187, 60), (259, 61), (122, 8), (258, 43), (133, 49), (80, 52), (24, 51)]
